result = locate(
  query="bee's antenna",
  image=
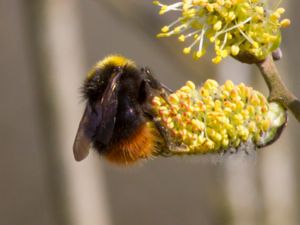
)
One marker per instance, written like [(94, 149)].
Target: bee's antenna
[(166, 87), (147, 71)]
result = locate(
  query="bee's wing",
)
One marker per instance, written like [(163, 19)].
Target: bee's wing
[(107, 110), (98, 122), (84, 134)]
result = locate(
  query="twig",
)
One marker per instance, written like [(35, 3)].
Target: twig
[(278, 91)]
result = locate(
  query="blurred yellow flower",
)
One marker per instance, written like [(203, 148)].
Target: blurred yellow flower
[(233, 26)]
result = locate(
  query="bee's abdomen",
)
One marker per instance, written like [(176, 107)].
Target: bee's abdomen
[(139, 145)]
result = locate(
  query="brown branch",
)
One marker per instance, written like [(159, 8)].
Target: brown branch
[(278, 91)]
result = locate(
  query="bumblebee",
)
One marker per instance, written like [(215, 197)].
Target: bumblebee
[(117, 120)]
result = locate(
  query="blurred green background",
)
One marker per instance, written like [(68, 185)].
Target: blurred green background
[(47, 46)]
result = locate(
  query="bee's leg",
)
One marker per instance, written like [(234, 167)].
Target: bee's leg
[(164, 96), (169, 147), (146, 94), (165, 149)]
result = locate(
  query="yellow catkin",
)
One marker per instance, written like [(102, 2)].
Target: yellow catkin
[(203, 120)]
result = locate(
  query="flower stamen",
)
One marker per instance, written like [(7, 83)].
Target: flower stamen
[(238, 22)]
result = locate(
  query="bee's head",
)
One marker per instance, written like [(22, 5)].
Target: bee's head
[(109, 63), (98, 77)]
